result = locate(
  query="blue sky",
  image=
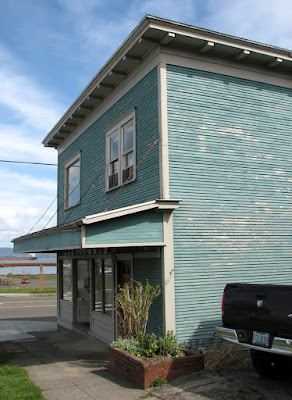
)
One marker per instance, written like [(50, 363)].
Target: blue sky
[(51, 49)]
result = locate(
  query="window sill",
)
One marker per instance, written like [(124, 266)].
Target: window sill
[(117, 187), (70, 207)]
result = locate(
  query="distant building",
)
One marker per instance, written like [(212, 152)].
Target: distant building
[(175, 166)]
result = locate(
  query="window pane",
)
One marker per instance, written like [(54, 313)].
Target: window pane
[(67, 280), (114, 146), (128, 160), (98, 286), (128, 136), (108, 286), (83, 280), (114, 167), (73, 184)]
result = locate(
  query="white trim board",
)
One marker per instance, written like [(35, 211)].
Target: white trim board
[(119, 245), (219, 66), (163, 132), (160, 204)]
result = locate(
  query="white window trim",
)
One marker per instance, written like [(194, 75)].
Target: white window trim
[(117, 126), (68, 164)]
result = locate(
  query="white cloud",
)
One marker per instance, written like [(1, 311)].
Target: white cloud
[(265, 21), (22, 203), (21, 143), (32, 104), (32, 111)]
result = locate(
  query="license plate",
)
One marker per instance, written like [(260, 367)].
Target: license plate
[(260, 339)]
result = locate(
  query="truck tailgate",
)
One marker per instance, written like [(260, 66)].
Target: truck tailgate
[(263, 308)]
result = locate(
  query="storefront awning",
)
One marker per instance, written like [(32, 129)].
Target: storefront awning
[(136, 225)]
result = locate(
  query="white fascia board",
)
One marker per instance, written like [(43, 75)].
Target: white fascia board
[(121, 245), (230, 41), (163, 205), (103, 72)]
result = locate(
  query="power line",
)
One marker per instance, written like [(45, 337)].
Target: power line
[(27, 162), (43, 214)]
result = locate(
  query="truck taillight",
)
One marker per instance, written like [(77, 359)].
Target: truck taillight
[(223, 302)]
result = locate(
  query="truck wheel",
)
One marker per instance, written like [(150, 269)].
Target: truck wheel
[(272, 366)]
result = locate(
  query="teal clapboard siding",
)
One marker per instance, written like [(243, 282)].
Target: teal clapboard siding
[(231, 165), (144, 227), (92, 145), (57, 240), (150, 268)]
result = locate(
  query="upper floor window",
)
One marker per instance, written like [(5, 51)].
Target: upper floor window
[(72, 182), (121, 151)]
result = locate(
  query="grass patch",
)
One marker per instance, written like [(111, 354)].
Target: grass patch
[(158, 382), (4, 356), (226, 356), (16, 385), (147, 396), (29, 291)]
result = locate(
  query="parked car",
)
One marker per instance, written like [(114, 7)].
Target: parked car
[(25, 280), (259, 317)]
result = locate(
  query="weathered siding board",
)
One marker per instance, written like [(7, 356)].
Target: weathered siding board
[(145, 227), (150, 268), (91, 144), (230, 162)]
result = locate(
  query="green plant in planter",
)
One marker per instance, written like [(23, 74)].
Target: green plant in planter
[(130, 345), (151, 345), (169, 346), (133, 302), (148, 344)]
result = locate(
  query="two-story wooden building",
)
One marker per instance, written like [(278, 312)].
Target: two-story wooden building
[(174, 165)]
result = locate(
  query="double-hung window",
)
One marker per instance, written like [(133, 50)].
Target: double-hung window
[(72, 182), (121, 151)]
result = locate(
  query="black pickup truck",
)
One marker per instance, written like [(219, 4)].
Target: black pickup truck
[(260, 317)]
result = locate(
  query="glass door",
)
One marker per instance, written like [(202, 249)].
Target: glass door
[(83, 292)]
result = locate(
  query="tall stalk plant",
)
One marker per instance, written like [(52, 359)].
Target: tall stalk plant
[(133, 302)]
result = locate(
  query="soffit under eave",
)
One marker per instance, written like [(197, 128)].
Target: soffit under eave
[(207, 44)]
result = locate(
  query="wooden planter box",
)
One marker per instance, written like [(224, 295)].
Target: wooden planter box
[(143, 372)]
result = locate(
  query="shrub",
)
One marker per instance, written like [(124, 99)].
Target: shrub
[(151, 346), (132, 305)]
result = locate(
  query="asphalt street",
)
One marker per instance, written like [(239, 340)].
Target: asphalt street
[(28, 307)]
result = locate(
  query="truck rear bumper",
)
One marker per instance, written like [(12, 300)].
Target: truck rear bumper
[(280, 345)]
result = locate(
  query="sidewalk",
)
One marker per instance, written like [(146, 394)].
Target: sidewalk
[(69, 366)]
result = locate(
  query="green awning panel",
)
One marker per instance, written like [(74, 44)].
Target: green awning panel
[(140, 228), (48, 242)]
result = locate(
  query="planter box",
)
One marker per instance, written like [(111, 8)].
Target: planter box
[(143, 372)]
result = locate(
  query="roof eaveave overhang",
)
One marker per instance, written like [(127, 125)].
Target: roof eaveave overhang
[(153, 32)]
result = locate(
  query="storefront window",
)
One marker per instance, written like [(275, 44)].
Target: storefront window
[(67, 280), (104, 286)]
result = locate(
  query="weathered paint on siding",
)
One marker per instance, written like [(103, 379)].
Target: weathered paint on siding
[(51, 241), (150, 268), (230, 162), (91, 144), (144, 227)]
